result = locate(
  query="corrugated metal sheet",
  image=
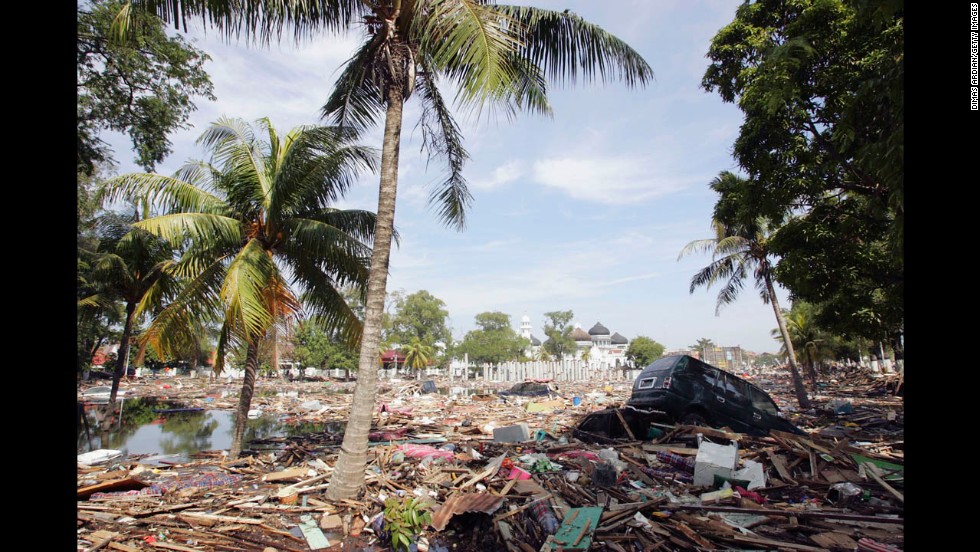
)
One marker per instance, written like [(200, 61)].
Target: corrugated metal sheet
[(472, 502)]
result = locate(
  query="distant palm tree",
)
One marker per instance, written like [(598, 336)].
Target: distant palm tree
[(262, 240), (132, 269), (812, 343), (417, 354), (740, 250), (702, 346)]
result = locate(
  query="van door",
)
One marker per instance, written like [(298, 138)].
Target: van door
[(733, 403)]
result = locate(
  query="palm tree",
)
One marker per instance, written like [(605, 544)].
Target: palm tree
[(702, 346), (501, 56), (132, 270), (740, 249), (806, 337), (417, 354), (262, 241)]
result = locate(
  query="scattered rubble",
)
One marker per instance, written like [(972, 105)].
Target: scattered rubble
[(496, 472)]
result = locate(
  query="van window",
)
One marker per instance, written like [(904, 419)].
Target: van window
[(762, 402), (735, 389), (710, 377)]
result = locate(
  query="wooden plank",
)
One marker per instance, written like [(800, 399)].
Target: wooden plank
[(785, 513), (689, 533), (510, 485), (834, 540), (875, 473), (100, 539), (205, 518), (314, 536), (177, 547), (626, 426), (123, 547), (127, 484), (780, 464)]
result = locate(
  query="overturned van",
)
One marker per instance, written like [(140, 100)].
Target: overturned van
[(682, 389)]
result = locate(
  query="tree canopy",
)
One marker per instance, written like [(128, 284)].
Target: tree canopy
[(558, 330), (141, 84), (643, 350), (821, 86), (421, 316), (495, 341)]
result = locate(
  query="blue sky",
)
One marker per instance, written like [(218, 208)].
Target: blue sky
[(585, 211)]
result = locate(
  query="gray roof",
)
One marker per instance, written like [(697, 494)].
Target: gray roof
[(535, 341), (618, 339), (599, 329)]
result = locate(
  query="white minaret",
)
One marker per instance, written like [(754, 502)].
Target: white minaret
[(526, 327)]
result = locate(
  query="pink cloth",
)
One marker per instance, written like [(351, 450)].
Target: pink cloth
[(421, 451)]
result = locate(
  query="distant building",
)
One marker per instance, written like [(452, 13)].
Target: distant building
[(598, 344)]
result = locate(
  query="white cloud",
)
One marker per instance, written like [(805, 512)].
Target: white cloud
[(609, 180), (508, 172)]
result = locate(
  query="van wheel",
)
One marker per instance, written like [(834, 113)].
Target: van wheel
[(694, 418)]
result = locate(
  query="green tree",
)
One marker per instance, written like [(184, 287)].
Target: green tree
[(494, 341), (558, 329), (642, 351), (133, 271), (494, 55), (421, 316), (141, 83), (740, 250), (259, 214), (312, 346), (821, 86)]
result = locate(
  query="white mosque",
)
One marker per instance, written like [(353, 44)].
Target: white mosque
[(599, 344)]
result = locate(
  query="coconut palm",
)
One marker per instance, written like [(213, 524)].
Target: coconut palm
[(494, 55), (262, 241), (811, 341), (740, 250), (417, 354), (131, 270)]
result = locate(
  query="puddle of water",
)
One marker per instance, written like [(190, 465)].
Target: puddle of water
[(176, 435)]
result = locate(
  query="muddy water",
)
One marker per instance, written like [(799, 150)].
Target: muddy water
[(145, 430)]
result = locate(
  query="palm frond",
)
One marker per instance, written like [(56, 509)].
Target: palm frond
[(441, 138), (242, 160), (242, 291), (111, 270), (168, 193), (567, 47), (470, 43), (98, 302), (318, 166), (357, 100), (335, 226), (260, 21), (327, 308), (206, 228), (698, 246)]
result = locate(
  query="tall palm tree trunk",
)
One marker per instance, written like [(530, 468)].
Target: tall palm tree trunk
[(348, 475), (245, 398), (798, 387), (122, 361)]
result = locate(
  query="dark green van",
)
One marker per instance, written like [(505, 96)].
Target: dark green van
[(682, 389)]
